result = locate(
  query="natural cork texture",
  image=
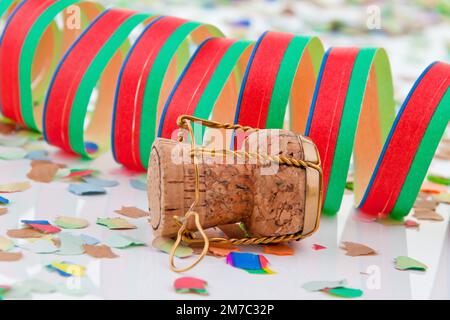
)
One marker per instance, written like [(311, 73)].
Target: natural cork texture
[(269, 198)]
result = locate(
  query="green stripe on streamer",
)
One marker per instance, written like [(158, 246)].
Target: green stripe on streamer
[(422, 159), (283, 82), (90, 79), (27, 54), (155, 81), (4, 5), (217, 82), (386, 103), (349, 121)]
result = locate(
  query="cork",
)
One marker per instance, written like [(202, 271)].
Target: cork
[(270, 199)]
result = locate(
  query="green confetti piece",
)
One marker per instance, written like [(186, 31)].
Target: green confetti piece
[(349, 186), (122, 242), (344, 292), (165, 245), (439, 180), (407, 263)]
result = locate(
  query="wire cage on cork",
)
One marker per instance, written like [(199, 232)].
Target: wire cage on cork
[(272, 185)]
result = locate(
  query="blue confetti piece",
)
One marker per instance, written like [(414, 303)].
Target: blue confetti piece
[(3, 200), (102, 183), (247, 261), (89, 240), (91, 147), (60, 272), (41, 155), (42, 222), (138, 184), (84, 189)]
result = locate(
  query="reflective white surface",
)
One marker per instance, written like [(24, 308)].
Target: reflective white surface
[(143, 273)]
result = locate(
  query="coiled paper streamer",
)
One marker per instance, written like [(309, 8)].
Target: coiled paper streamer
[(75, 83)]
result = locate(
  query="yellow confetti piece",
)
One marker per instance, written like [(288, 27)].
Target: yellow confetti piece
[(14, 187)]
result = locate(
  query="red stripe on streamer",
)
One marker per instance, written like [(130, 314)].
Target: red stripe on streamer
[(324, 127), (260, 81), (406, 138), (194, 81), (132, 86), (10, 52), (71, 71)]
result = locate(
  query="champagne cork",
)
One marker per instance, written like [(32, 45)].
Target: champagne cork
[(271, 199)]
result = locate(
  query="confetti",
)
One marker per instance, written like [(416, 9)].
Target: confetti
[(102, 183), (40, 246), (426, 204), (121, 242), (91, 147), (70, 245), (71, 222), (7, 128), (42, 226), (115, 223), (442, 198), (39, 286), (221, 250), (12, 153), (85, 189), (4, 290), (252, 263), (433, 188), (426, 214), (407, 263), (165, 245), (411, 224), (439, 179), (24, 233), (10, 256), (3, 200), (138, 184), (132, 212), (349, 186), (14, 187), (344, 292), (79, 173), (321, 285), (87, 239), (190, 285), (6, 244), (41, 155), (356, 249), (317, 247), (101, 251), (66, 269), (280, 249), (13, 141), (43, 171)]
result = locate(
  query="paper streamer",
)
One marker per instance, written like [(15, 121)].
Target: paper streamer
[(77, 79)]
